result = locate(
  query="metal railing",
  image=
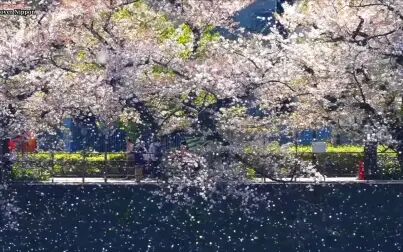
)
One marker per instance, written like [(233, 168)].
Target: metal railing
[(346, 164), (32, 167)]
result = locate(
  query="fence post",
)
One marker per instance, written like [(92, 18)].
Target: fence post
[(52, 165), (84, 167), (370, 159), (2, 166), (105, 173), (6, 166), (295, 168)]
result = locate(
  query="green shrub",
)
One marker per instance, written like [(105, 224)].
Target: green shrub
[(389, 167), (250, 173), (21, 172), (342, 149), (40, 166), (335, 164), (347, 164)]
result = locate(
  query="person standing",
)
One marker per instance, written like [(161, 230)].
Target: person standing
[(155, 156), (139, 153), (130, 154)]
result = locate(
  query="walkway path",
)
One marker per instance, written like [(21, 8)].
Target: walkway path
[(329, 180)]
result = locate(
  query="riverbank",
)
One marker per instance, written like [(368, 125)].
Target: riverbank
[(118, 181)]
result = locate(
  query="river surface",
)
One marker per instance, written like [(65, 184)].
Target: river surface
[(350, 217)]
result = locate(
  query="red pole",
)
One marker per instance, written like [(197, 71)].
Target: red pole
[(12, 145), (361, 174)]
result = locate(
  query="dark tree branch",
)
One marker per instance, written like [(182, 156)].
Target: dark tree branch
[(382, 3), (358, 29), (176, 72), (101, 39), (54, 63)]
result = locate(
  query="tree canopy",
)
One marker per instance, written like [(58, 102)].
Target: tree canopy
[(165, 65)]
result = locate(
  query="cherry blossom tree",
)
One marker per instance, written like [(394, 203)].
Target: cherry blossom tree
[(163, 66), (347, 55), (125, 60)]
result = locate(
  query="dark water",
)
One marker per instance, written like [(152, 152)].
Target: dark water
[(354, 217)]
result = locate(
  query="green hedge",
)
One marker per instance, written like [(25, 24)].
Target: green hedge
[(41, 166), (342, 149), (347, 164), (21, 173), (38, 166)]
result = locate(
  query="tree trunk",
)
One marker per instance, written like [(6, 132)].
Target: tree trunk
[(397, 133), (400, 158), (370, 159), (6, 166)]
